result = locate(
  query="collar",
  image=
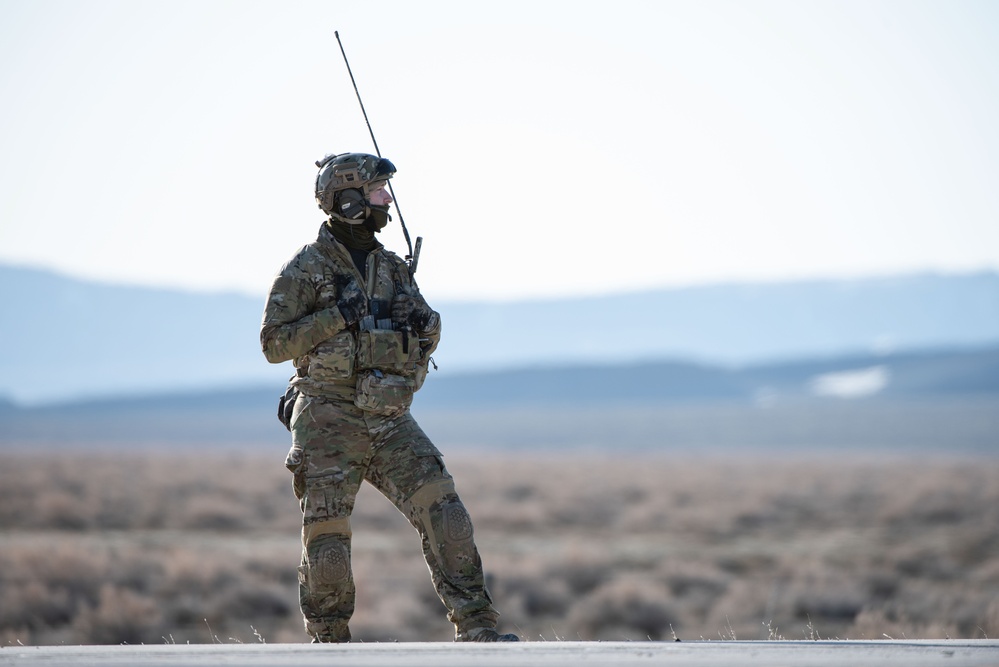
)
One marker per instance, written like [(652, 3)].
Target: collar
[(333, 234)]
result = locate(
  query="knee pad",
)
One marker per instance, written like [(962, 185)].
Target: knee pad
[(458, 554), (440, 515), (327, 563), (456, 522)]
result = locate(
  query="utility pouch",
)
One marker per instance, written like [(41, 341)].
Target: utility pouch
[(383, 393), (389, 351), (333, 359), (286, 404)]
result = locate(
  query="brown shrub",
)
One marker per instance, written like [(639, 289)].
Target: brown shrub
[(623, 610), (158, 547), (119, 617)]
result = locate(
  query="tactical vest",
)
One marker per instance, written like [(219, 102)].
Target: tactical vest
[(377, 365)]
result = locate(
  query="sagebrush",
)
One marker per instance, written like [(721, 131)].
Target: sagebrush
[(159, 547)]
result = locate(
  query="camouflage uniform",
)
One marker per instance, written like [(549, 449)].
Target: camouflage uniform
[(336, 444)]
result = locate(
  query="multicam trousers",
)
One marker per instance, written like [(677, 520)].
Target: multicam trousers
[(335, 446)]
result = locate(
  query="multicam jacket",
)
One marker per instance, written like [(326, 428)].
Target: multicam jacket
[(302, 323)]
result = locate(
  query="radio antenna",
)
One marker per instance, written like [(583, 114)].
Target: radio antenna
[(411, 257)]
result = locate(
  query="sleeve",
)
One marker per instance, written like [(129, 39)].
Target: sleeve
[(428, 339), (291, 324)]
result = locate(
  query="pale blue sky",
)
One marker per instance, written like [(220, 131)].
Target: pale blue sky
[(543, 148)]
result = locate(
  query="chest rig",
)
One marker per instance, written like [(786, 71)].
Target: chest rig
[(381, 360)]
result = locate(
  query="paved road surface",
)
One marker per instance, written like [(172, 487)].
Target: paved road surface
[(951, 653)]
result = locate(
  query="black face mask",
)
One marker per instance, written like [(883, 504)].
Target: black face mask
[(378, 218)]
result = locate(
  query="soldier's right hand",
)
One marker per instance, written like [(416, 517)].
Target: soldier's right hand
[(351, 303)]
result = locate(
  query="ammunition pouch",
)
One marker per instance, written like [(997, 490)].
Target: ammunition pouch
[(389, 351), (333, 359), (387, 368)]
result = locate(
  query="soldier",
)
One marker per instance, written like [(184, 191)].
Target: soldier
[(349, 315)]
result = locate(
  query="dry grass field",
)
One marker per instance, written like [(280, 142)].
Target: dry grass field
[(160, 547)]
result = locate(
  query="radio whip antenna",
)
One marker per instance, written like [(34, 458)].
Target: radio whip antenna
[(411, 257)]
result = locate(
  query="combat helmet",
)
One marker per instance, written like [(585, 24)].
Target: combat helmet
[(349, 171)]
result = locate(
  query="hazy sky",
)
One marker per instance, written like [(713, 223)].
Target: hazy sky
[(543, 148)]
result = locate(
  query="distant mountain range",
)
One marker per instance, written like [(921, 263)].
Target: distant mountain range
[(63, 339), (941, 402), (894, 377)]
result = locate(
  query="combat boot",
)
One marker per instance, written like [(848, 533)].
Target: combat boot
[(322, 632), (484, 635)]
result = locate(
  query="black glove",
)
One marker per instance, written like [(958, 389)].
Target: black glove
[(351, 303), (414, 310)]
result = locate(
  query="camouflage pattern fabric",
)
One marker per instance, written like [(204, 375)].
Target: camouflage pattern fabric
[(301, 320), (336, 445)]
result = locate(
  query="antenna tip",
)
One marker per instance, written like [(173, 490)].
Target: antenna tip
[(336, 33)]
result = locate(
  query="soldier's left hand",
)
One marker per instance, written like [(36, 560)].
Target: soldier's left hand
[(407, 309)]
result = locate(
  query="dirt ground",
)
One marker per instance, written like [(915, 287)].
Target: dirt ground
[(181, 548)]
